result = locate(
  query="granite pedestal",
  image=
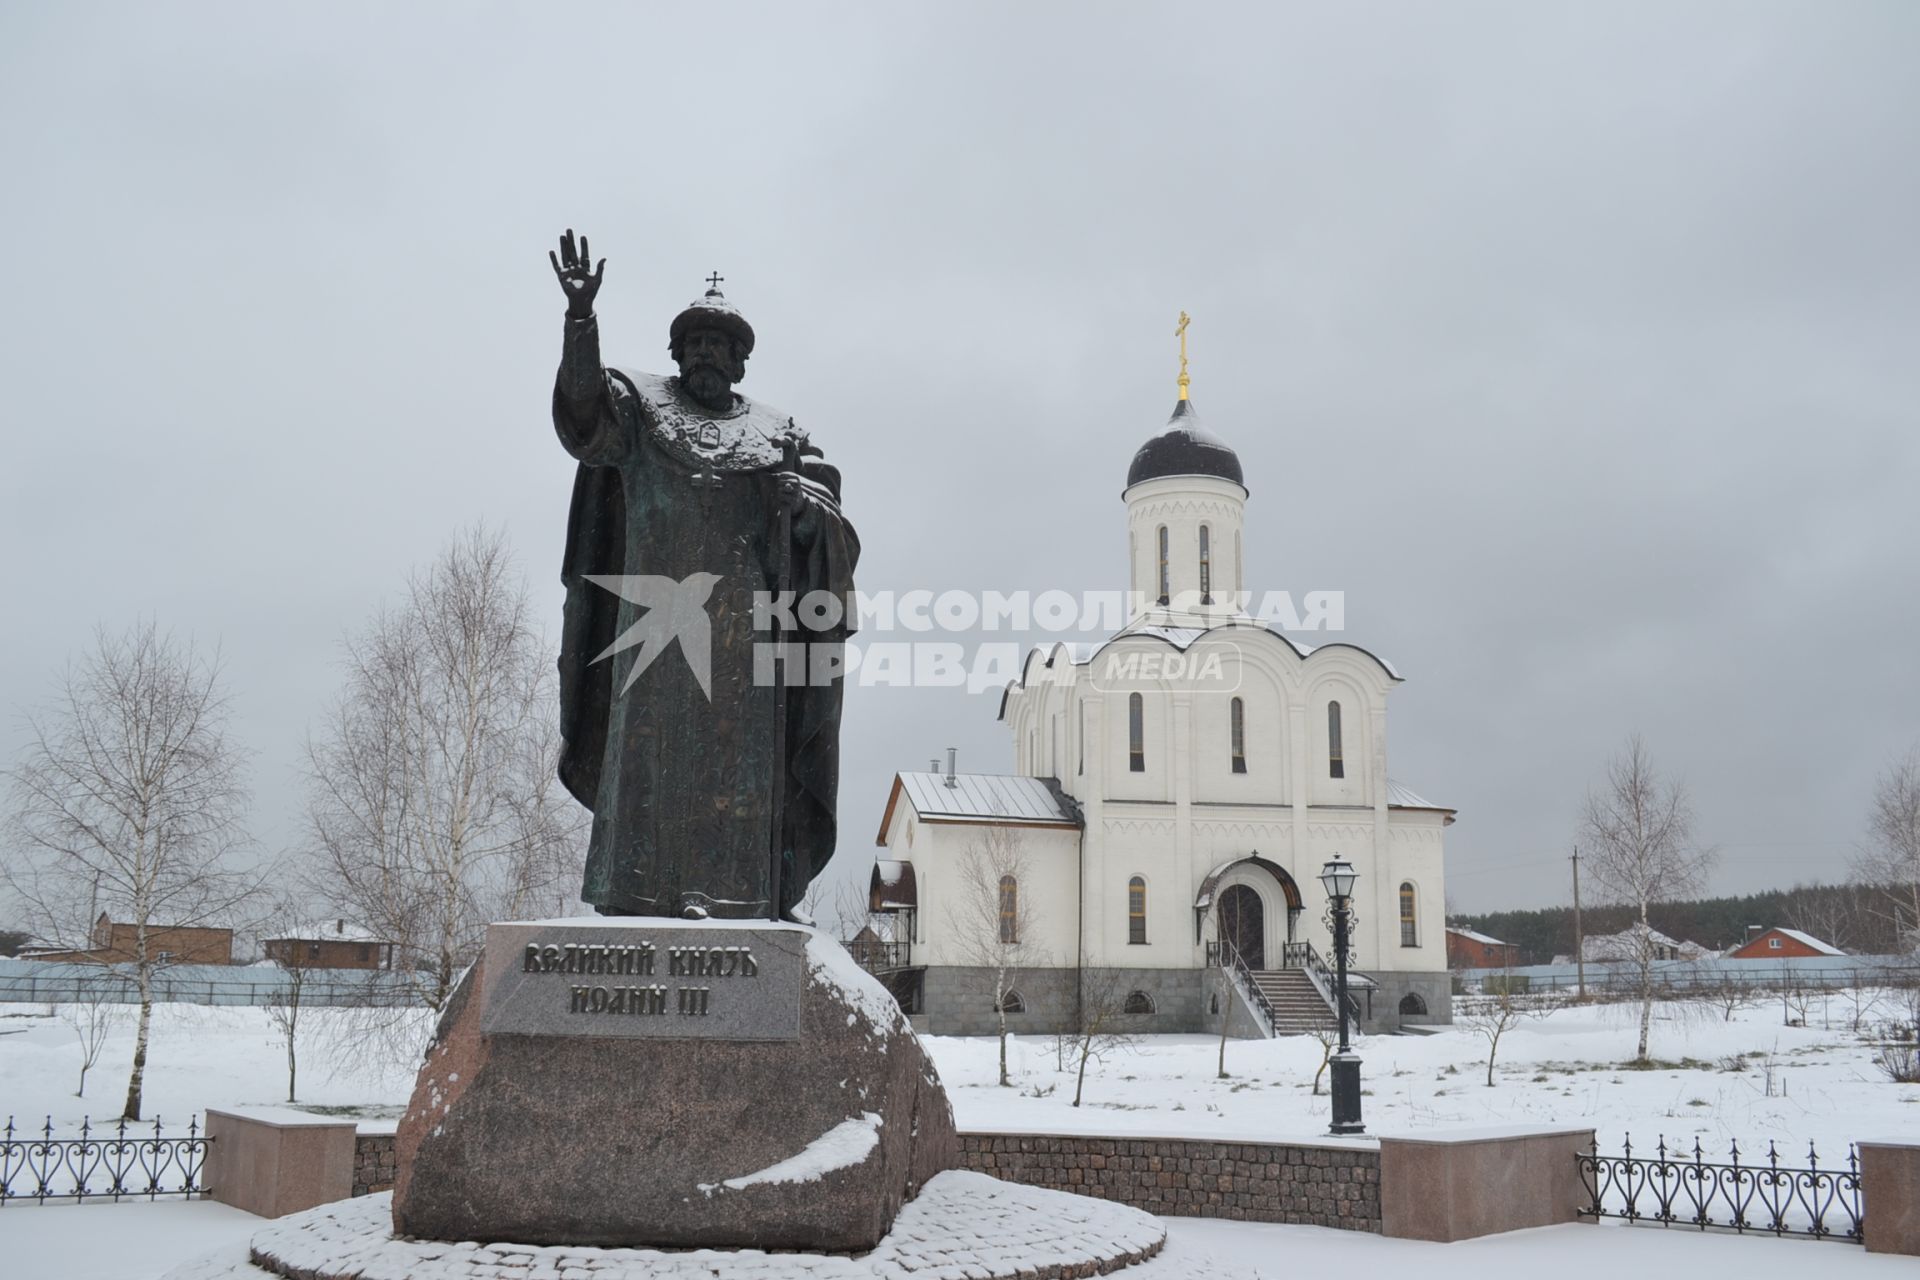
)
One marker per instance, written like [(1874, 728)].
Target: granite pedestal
[(651, 1082)]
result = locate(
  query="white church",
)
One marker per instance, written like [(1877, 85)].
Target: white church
[(1169, 819)]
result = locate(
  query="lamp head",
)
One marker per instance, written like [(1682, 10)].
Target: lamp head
[(1337, 877)]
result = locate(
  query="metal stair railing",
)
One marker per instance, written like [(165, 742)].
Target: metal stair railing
[(1236, 969), (1302, 956)]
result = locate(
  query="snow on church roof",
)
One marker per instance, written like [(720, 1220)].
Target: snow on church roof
[(1400, 796), (975, 797)]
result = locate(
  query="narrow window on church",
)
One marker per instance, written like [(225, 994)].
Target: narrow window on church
[(1336, 764), (1081, 741), (1239, 574), (1166, 584), (1206, 566), (1409, 934), (1136, 911), (1009, 910), (1136, 734), (1239, 736)]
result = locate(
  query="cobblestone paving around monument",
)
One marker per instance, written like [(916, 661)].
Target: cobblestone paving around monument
[(963, 1226)]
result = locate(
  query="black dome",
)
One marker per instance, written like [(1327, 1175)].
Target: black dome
[(1185, 448)]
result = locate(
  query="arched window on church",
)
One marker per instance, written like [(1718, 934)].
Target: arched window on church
[(1206, 565), (1012, 1002), (1409, 926), (1166, 581), (1136, 733), (1239, 712), (1412, 1006), (1009, 910), (1336, 763), (1138, 1002), (1137, 911)]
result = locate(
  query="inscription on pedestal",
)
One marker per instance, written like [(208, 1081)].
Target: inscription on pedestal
[(652, 980)]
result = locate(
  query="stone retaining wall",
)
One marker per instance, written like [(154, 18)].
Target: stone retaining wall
[(1326, 1186), (372, 1163)]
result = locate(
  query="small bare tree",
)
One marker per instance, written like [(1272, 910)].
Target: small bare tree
[(1725, 993), (95, 1012), (1637, 841), (1890, 862), (1328, 1038), (434, 806), (1498, 1011), (297, 933), (1102, 1027), (991, 919), (128, 801)]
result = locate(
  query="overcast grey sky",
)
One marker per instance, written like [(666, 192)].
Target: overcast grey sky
[(1575, 343)]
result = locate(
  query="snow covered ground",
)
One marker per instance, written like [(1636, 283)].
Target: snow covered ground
[(1792, 1084), (1751, 1079), (144, 1241)]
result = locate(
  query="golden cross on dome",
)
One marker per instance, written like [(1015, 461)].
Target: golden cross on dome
[(1181, 333)]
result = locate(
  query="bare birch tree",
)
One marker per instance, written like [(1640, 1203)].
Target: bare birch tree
[(433, 802), (129, 800), (991, 918), (1637, 841), (1890, 863)]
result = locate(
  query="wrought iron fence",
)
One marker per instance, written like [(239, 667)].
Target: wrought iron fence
[(101, 1164), (1679, 1188)]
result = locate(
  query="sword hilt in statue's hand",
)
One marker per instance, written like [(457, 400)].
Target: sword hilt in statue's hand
[(789, 479)]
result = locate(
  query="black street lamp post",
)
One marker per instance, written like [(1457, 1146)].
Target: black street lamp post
[(1338, 877)]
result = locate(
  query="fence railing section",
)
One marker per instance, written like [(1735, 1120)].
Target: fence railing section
[(116, 988), (116, 1164), (1675, 1187)]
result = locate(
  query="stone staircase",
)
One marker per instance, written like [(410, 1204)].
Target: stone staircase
[(1296, 1003)]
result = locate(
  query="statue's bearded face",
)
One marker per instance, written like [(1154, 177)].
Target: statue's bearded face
[(709, 364)]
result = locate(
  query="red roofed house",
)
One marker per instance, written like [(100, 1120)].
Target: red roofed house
[(1775, 944), (1469, 950)]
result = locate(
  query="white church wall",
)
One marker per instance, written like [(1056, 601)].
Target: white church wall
[(1049, 890), (1138, 840)]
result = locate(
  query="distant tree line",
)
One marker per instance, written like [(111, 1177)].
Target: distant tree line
[(1846, 915)]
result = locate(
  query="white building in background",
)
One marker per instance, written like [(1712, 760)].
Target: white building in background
[(1161, 807)]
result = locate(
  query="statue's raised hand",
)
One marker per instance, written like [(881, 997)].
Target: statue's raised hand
[(578, 276)]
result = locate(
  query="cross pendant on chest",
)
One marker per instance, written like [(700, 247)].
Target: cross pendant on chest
[(706, 481)]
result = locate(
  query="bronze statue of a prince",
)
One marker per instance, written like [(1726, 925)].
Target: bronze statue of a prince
[(711, 776)]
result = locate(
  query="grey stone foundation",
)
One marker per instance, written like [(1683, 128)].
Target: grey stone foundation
[(1435, 991), (958, 1001)]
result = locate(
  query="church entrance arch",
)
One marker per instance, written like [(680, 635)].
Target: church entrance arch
[(1256, 928), (1243, 923)]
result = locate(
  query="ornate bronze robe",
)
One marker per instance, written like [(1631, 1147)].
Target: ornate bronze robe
[(685, 783)]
